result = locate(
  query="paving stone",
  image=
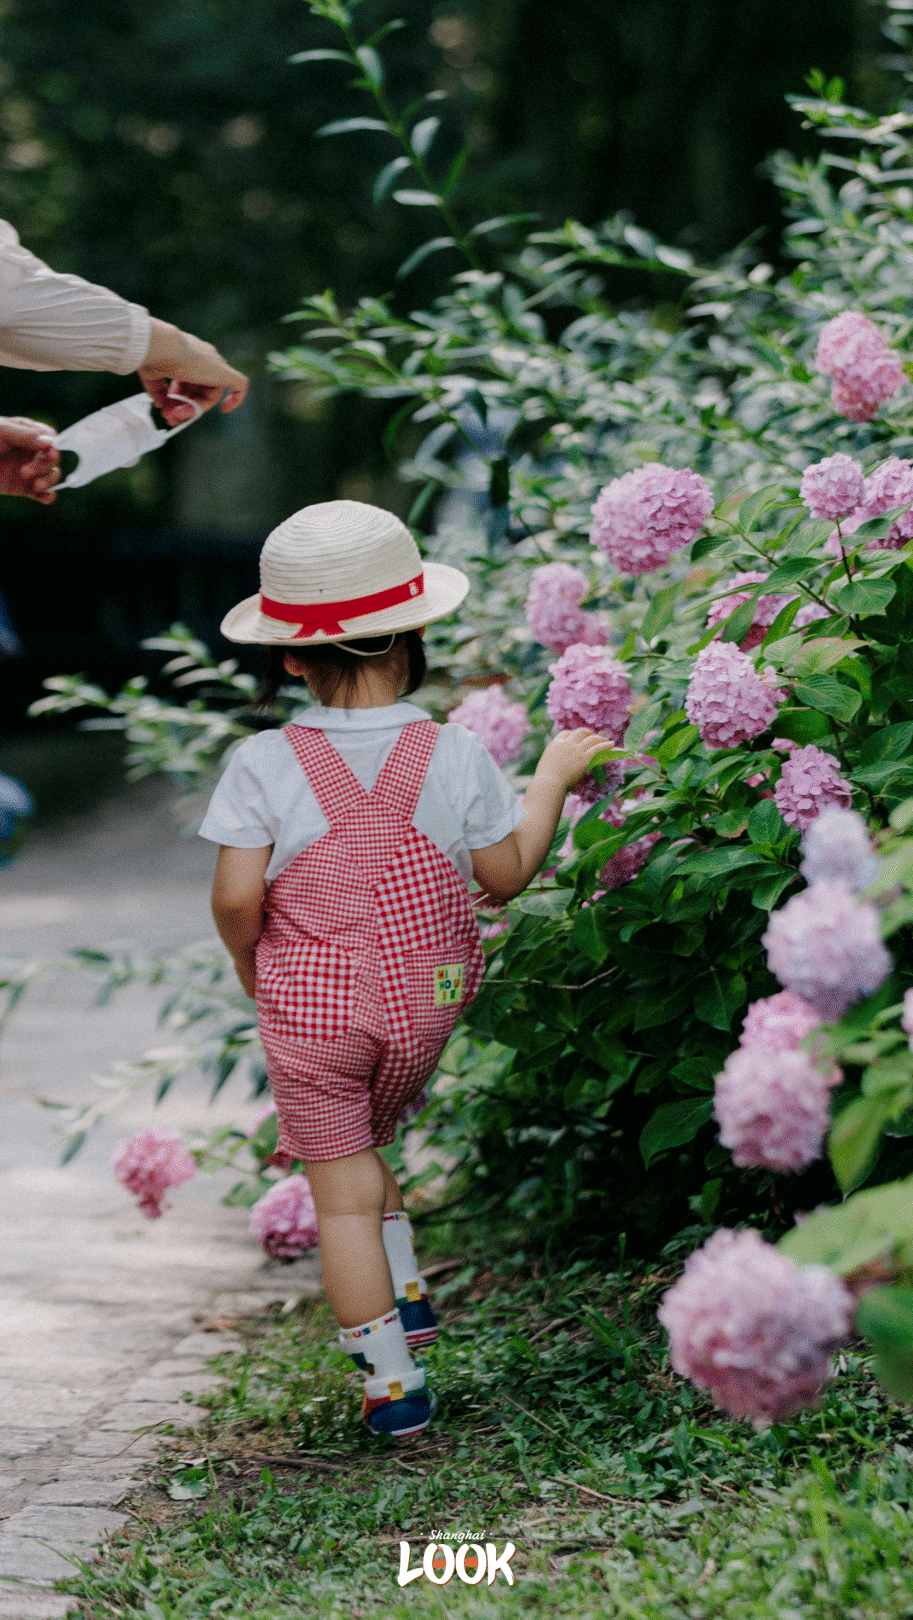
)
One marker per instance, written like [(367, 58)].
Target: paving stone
[(85, 1490), (26, 1559), (107, 1443), (155, 1390), (205, 1345), (23, 1442), (141, 1414), (31, 1605), (64, 1527)]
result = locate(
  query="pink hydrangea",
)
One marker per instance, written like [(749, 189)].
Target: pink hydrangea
[(753, 1328), (838, 849), (888, 486), (727, 699), (590, 790), (780, 1023), (766, 608), (832, 488), (639, 520), (502, 725), (810, 780), (284, 1220), (865, 370), (553, 610), (827, 947), (589, 688), (627, 862), (149, 1164), (772, 1107)]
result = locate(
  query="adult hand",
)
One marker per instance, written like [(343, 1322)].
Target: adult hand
[(178, 363), (29, 462)]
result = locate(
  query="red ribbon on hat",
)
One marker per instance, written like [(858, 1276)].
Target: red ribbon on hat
[(313, 617)]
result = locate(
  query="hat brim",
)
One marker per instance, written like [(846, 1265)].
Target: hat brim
[(445, 588)]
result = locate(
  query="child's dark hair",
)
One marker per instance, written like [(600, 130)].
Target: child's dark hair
[(334, 665)]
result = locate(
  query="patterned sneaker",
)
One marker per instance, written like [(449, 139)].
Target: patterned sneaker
[(417, 1316), (399, 1407)]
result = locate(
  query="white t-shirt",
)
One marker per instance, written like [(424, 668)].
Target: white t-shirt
[(265, 798)]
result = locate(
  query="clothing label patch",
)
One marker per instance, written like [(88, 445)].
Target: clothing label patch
[(448, 984)]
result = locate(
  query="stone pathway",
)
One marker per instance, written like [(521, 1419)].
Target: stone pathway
[(106, 1320)]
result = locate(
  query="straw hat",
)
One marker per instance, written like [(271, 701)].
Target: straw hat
[(342, 569)]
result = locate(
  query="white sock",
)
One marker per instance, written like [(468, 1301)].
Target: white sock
[(380, 1345), (380, 1349), (400, 1251)]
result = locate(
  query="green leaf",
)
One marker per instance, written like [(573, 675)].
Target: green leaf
[(869, 596), (660, 612), (187, 1493), (818, 656), (417, 199), (705, 543), (765, 892), (888, 742), (322, 56), (829, 696), (855, 1135), (423, 134), (346, 126), (424, 498), (371, 64), (894, 1369), (499, 481), (720, 862), (765, 823), (436, 245), (801, 725), (885, 1315), (646, 719), (718, 998), (784, 650), (387, 175), (544, 903), (754, 506), (488, 226), (737, 626), (673, 1125), (852, 1233), (782, 624), (787, 573), (679, 743)]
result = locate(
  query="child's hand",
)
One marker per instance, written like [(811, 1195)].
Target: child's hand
[(570, 755)]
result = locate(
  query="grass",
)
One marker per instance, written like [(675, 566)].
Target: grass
[(561, 1429)]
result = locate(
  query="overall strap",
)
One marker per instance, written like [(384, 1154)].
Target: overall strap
[(336, 788), (400, 783)]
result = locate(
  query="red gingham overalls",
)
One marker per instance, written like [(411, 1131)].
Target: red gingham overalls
[(356, 992)]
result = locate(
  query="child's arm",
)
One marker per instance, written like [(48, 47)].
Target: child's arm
[(237, 906), (505, 869)]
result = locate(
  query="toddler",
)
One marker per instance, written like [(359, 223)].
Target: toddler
[(347, 842)]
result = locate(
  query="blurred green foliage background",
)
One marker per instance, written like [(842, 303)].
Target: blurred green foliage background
[(169, 152)]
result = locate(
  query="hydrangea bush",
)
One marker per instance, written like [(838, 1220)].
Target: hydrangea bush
[(696, 1015)]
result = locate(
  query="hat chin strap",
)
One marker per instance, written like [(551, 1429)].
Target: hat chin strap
[(316, 618), (360, 652)]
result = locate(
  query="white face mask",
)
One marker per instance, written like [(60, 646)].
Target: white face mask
[(116, 437)]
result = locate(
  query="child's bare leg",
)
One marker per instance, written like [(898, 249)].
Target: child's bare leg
[(393, 1200), (350, 1196)]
